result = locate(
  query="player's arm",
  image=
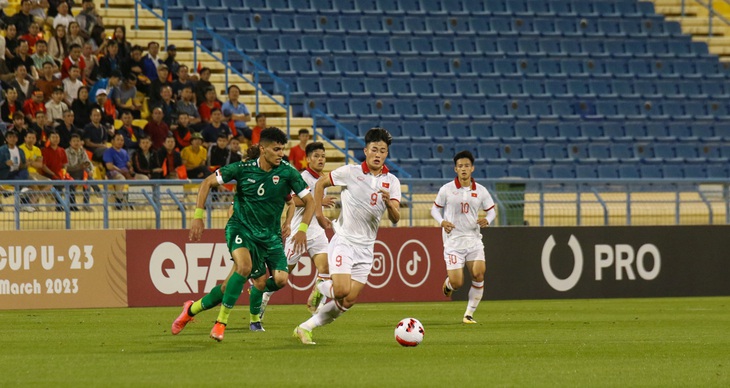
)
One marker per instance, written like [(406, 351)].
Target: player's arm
[(326, 202), (491, 215), (437, 214), (300, 237), (196, 228), (392, 205), (323, 183), (286, 224)]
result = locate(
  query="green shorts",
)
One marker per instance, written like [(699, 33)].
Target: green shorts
[(263, 255)]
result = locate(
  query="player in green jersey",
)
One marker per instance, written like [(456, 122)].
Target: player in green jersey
[(253, 233)]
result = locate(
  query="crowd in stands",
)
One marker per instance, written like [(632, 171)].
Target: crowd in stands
[(77, 104)]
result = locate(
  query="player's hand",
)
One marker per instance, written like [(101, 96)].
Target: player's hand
[(285, 231), (448, 226), (324, 222), (196, 230), (328, 202), (483, 223), (300, 242)]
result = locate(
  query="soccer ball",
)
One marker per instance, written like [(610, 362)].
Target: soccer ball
[(409, 332)]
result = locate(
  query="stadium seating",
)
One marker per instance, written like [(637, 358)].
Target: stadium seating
[(535, 88)]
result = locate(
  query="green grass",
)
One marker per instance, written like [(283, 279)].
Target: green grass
[(617, 342)]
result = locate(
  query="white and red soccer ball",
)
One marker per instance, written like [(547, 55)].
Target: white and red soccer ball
[(409, 332)]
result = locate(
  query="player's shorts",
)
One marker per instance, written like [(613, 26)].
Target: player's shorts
[(456, 258), (345, 258), (315, 246), (269, 255)]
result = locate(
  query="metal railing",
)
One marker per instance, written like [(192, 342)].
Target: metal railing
[(709, 6), (164, 17)]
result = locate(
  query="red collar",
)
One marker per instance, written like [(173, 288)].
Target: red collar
[(458, 185), (366, 170), (314, 173)]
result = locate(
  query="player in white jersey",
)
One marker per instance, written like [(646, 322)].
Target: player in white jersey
[(456, 209), (369, 190), (316, 238)]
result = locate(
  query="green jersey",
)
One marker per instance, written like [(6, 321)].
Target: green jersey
[(261, 196)]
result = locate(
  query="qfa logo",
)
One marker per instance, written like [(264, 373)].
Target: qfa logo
[(625, 260)]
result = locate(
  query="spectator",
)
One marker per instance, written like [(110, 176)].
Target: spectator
[(260, 126), (38, 10), (88, 18), (11, 42), (23, 19), (42, 129), (55, 106), (172, 64), (194, 157), (32, 37), (124, 96), (186, 105), (41, 57), (205, 109), (133, 63), (215, 128), (170, 159), (47, 83), (20, 126), (96, 136), (181, 131), (219, 155), (119, 167), (98, 40), (63, 17), (297, 155), (130, 132), (66, 129), (202, 85), (36, 167), (107, 108), (22, 84), (157, 130), (120, 36), (151, 62), (10, 105), (12, 159), (168, 106), (6, 76), (235, 146), (33, 105), (111, 61), (54, 158), (74, 37), (2, 38), (72, 85), (79, 168), (23, 58), (157, 85), (82, 107), (73, 59), (182, 80), (146, 162), (57, 46), (92, 64), (237, 112)]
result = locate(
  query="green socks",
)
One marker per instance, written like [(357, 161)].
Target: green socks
[(233, 291), (256, 298)]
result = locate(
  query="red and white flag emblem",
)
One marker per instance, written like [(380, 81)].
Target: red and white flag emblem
[(275, 179), (386, 185), (474, 195)]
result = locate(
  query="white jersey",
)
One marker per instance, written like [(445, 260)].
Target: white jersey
[(362, 202), (461, 207), (314, 231)]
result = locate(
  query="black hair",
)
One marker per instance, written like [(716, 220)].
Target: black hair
[(233, 86), (304, 130), (378, 134), (213, 110), (41, 41), (145, 137), (464, 155), (125, 112), (117, 134), (222, 136), (253, 153), (73, 46), (311, 147), (260, 115), (76, 135), (273, 135)]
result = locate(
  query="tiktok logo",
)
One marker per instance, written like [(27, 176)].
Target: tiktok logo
[(411, 258)]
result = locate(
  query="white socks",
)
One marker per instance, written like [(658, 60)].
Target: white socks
[(475, 295), (326, 289), (326, 314)]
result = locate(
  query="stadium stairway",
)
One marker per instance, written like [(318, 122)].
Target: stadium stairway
[(121, 13)]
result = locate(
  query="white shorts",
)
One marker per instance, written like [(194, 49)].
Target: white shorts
[(345, 258), (455, 258), (315, 246)]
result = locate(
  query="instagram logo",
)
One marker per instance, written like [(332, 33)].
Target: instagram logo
[(383, 266)]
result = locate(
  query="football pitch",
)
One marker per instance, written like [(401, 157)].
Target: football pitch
[(609, 342)]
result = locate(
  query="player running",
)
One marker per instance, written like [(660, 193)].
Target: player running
[(368, 191), (316, 238), (253, 233), (456, 209)]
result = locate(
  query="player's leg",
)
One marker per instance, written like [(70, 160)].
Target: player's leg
[(455, 271), (279, 267), (477, 266), (317, 296), (242, 257)]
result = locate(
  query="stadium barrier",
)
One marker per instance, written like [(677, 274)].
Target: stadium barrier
[(68, 269)]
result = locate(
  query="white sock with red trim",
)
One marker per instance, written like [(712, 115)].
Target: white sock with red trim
[(328, 313), (475, 296), (325, 288)]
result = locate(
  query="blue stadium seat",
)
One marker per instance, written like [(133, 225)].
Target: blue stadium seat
[(400, 151), (586, 171), (518, 171), (629, 172), (541, 171), (422, 151), (496, 171), (489, 151), (413, 129)]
